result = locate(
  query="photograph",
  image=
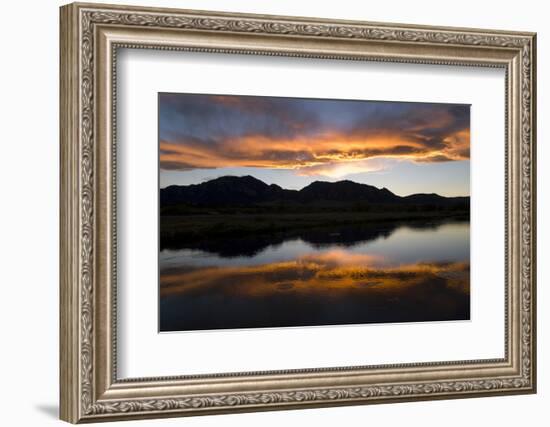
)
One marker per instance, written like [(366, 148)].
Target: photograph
[(294, 212)]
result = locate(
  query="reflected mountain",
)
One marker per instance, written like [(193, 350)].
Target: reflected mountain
[(347, 235)]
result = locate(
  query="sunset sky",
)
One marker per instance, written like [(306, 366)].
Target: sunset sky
[(406, 147)]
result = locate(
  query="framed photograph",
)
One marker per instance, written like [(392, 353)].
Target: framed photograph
[(265, 212)]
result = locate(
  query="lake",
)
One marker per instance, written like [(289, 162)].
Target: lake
[(380, 273)]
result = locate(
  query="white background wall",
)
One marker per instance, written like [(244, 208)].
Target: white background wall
[(29, 170)]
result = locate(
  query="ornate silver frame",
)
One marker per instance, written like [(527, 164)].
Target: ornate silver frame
[(90, 36)]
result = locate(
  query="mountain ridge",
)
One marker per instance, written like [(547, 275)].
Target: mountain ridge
[(248, 190)]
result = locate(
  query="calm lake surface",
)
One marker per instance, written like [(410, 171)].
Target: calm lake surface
[(388, 272)]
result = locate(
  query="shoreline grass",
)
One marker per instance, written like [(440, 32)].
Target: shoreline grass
[(219, 225)]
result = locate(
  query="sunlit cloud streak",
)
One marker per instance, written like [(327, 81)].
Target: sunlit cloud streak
[(310, 136)]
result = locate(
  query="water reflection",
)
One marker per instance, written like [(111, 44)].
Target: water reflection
[(398, 273)]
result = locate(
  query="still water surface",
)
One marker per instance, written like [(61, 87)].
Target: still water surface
[(389, 273)]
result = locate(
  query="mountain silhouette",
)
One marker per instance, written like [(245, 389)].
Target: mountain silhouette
[(247, 190), (343, 191)]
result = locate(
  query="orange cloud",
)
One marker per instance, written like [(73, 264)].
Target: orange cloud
[(312, 137), (331, 153)]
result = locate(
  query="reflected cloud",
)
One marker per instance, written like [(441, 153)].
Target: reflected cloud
[(332, 274), (314, 290)]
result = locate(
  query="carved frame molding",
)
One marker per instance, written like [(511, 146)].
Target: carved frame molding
[(90, 37)]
